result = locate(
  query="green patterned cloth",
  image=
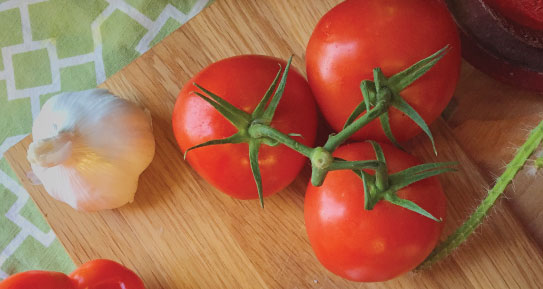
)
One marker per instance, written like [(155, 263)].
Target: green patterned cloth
[(50, 46)]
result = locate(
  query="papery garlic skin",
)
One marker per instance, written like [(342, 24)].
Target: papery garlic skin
[(90, 148)]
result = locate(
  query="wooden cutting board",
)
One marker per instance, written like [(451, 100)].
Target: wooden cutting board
[(182, 233)]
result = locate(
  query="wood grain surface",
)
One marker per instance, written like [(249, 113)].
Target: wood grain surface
[(182, 233), (491, 121)]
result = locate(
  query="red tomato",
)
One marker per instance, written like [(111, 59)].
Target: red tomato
[(96, 274), (243, 81), (105, 274), (371, 245), (38, 279), (357, 36)]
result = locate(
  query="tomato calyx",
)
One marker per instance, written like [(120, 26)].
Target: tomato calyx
[(380, 185), (389, 89), (383, 186), (261, 116)]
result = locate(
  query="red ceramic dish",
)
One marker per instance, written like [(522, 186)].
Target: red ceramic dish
[(495, 43), (528, 13)]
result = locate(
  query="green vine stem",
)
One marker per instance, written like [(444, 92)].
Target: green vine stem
[(539, 163), (463, 232), (258, 130), (336, 140)]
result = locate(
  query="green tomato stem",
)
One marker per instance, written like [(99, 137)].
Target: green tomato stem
[(353, 165), (317, 176), (381, 177), (258, 130), (463, 232), (321, 160), (336, 140)]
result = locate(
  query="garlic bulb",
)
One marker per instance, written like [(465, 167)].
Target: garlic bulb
[(90, 148)]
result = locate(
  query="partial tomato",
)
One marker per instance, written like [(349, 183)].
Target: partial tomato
[(243, 81), (95, 274), (38, 279), (105, 274), (378, 244), (357, 36)]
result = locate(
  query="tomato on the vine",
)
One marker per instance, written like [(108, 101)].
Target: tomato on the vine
[(242, 81), (378, 244), (357, 36)]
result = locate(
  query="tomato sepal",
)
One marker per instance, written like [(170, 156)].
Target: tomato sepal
[(261, 107), (233, 139), (239, 118), (267, 114), (385, 124), (399, 103), (407, 204), (254, 146), (403, 79)]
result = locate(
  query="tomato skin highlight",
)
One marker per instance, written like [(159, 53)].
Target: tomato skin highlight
[(243, 81), (371, 245), (357, 36)]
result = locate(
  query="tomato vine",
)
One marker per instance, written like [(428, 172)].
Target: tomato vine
[(380, 95)]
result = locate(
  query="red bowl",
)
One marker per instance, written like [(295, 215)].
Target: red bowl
[(502, 38)]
